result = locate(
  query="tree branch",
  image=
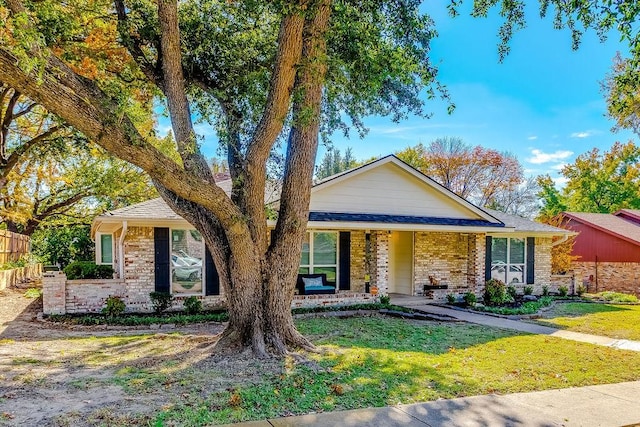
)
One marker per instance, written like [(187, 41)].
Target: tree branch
[(174, 87)]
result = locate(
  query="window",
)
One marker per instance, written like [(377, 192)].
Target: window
[(320, 254), (187, 253), (104, 249), (508, 259)]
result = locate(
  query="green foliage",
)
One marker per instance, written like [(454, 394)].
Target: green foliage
[(495, 293), (22, 262), (451, 298), (160, 301), (88, 270), (192, 305), (131, 319), (529, 307), (528, 290), (581, 290), (615, 297), (352, 307), (61, 245), (545, 290), (602, 182), (470, 299), (33, 293), (333, 162), (385, 299), (511, 290), (114, 306), (563, 291)]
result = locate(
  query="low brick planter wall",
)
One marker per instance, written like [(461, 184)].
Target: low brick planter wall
[(15, 276), (341, 298)]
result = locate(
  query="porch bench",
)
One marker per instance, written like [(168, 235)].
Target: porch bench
[(314, 284), (434, 287)]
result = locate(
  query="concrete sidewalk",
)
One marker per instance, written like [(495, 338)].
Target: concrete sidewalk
[(420, 305), (602, 405)]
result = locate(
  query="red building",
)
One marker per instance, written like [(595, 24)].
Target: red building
[(608, 247)]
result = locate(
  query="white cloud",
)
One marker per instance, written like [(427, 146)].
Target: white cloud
[(559, 166), (540, 157), (560, 181), (584, 134), (532, 138)]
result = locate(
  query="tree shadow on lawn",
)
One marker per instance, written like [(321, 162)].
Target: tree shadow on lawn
[(579, 309)]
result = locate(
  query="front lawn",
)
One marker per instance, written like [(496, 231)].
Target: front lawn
[(615, 321), (363, 361)]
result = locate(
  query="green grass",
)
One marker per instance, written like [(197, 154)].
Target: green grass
[(615, 321), (376, 362), (613, 297), (33, 293)]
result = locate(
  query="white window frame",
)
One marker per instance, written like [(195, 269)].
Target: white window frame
[(171, 267), (508, 263), (99, 249), (312, 265)]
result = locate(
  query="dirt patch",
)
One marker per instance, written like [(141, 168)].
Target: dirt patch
[(60, 375)]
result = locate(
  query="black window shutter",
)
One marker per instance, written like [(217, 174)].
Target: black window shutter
[(487, 258), (162, 259), (344, 281), (531, 255), (212, 287)]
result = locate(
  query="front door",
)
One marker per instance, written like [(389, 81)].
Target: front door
[(401, 262)]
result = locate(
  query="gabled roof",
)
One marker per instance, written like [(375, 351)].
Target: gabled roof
[(608, 223), (629, 214), (426, 183)]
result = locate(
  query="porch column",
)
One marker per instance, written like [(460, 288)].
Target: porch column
[(382, 262), (54, 293)]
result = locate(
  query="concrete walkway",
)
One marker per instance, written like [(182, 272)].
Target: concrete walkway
[(602, 405), (419, 304)]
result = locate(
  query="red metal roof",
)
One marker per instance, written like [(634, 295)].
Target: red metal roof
[(611, 224)]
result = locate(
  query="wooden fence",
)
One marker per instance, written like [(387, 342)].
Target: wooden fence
[(13, 246)]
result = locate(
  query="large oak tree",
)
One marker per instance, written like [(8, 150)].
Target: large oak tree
[(264, 73)]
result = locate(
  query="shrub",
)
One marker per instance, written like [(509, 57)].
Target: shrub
[(33, 293), (495, 293), (545, 290), (528, 290), (581, 290), (563, 291), (160, 301), (115, 306), (511, 290), (616, 297), (88, 270), (470, 299), (451, 299), (192, 305), (385, 299)]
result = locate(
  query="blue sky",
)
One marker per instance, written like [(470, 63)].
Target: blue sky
[(543, 103)]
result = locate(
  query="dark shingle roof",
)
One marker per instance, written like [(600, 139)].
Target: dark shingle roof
[(398, 219)]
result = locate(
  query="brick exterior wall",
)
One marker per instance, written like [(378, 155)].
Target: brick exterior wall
[(542, 270), (382, 262), (54, 293), (358, 261), (611, 276)]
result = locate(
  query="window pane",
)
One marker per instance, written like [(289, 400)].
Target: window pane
[(516, 256), (303, 270), (304, 258), (499, 250), (106, 248), (187, 253), (499, 271), (325, 248), (329, 271), (516, 274)]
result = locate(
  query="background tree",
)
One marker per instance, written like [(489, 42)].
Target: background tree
[(334, 162), (331, 60), (59, 245), (478, 174), (68, 185), (596, 182)]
